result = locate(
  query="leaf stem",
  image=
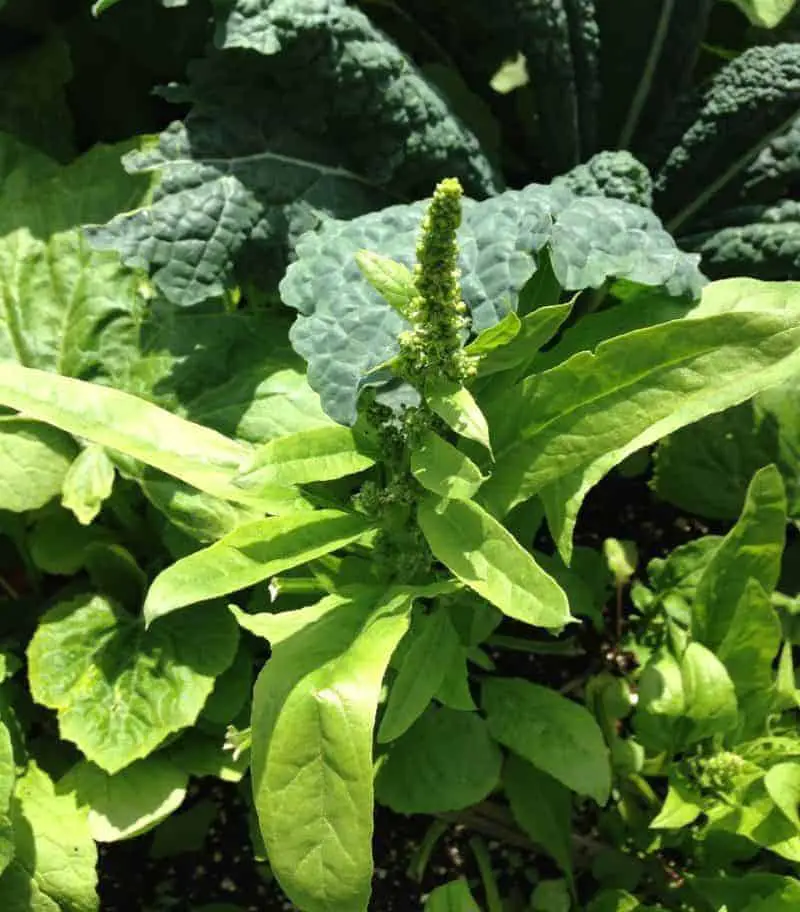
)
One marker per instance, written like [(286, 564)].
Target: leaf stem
[(520, 644), (490, 889)]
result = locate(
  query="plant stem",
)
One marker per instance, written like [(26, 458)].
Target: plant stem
[(8, 589), (490, 890), (420, 859), (520, 644)]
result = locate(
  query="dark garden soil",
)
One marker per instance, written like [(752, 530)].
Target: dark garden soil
[(150, 875)]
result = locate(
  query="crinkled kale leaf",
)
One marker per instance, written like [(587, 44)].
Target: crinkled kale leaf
[(306, 111), (345, 329)]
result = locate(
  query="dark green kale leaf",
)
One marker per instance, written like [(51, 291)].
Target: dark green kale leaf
[(616, 175), (308, 111), (758, 241), (345, 329), (561, 41), (775, 171), (748, 102)]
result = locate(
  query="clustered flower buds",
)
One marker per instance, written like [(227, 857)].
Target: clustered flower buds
[(432, 348)]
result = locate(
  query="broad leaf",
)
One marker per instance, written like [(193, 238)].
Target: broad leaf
[(119, 690), (519, 353), (250, 554), (320, 454), (441, 468), (433, 647), (345, 329), (313, 725), (542, 806), (751, 550), (34, 461), (751, 893), (481, 553), (783, 784), (556, 434), (119, 421), (266, 151), (707, 468), (711, 706), (459, 411), (748, 650), (452, 897), (54, 867), (88, 483), (556, 735), (130, 802), (661, 704), (393, 281), (446, 761), (7, 780), (67, 308), (682, 806)]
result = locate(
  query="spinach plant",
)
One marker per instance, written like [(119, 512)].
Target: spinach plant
[(471, 388)]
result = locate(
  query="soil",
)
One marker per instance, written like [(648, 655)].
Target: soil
[(221, 872)]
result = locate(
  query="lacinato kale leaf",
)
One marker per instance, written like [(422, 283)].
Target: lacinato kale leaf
[(308, 111), (748, 102), (758, 241), (345, 329)]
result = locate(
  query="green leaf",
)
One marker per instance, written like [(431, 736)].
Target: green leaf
[(250, 554), (88, 483), (711, 706), (556, 735), (662, 702), (441, 468), (542, 806), (67, 308), (557, 433), (54, 867), (459, 411), (130, 802), (119, 421), (783, 784), (765, 13), (280, 625), (751, 550), (551, 896), (433, 646), (501, 240), (751, 893), (535, 329), (707, 468), (100, 6), (258, 160), (452, 897), (392, 280), (493, 338), (319, 454), (34, 461), (34, 107), (682, 806), (754, 815), (622, 558), (446, 761), (617, 901), (119, 690), (8, 775), (313, 718), (481, 553), (748, 650)]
